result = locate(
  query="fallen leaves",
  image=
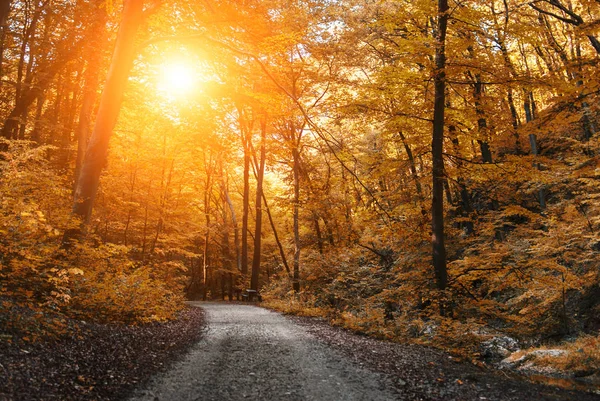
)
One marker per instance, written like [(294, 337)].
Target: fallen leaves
[(97, 362)]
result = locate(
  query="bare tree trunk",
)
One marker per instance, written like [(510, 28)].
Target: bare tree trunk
[(5, 6), (207, 191), (259, 194), (465, 199), (132, 182), (227, 260), (411, 164), (297, 245), (277, 241), (236, 235), (145, 227), (246, 204), (110, 104), (318, 233), (437, 144), (39, 107)]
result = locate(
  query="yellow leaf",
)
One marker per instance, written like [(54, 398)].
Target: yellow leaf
[(75, 271)]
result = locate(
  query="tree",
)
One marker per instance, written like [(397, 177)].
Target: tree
[(437, 148), (110, 103), (260, 174)]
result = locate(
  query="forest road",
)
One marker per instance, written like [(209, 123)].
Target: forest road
[(251, 353)]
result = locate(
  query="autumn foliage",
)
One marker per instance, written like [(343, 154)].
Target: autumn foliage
[(293, 140)]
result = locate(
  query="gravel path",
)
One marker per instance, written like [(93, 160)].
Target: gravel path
[(253, 353), (250, 353)]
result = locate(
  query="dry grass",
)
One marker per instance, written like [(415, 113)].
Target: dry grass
[(582, 355), (293, 307)]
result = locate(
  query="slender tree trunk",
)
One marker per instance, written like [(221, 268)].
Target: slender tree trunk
[(465, 198), (83, 126), (412, 165), (165, 185), (437, 205), (207, 191), (482, 128), (145, 227), (246, 204), (205, 272), (132, 182), (227, 267), (110, 104), (318, 233), (39, 107), (297, 246), (329, 231), (236, 235), (277, 241), (259, 194)]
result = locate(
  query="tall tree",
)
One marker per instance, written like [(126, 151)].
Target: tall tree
[(437, 148), (108, 112)]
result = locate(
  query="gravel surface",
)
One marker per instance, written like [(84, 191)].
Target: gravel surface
[(425, 373), (252, 353)]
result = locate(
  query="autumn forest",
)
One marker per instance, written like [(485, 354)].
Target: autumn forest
[(413, 170)]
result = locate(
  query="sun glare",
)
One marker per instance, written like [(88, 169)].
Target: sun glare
[(177, 79)]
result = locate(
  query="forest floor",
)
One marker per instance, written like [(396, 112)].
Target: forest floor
[(237, 351), (96, 362)]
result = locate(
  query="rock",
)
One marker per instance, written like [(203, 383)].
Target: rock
[(400, 382), (429, 329), (584, 372), (514, 361), (549, 352), (499, 347)]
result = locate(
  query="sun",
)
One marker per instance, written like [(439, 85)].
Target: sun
[(177, 79)]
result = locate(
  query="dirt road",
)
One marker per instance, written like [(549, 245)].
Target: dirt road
[(250, 353)]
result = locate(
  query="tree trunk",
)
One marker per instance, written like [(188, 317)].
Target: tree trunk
[(277, 241), (92, 72), (259, 194), (437, 204), (236, 236), (297, 246), (207, 191), (110, 104), (145, 226), (246, 203), (465, 199), (85, 116), (318, 233), (4, 11), (412, 165), (39, 107), (227, 260)]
